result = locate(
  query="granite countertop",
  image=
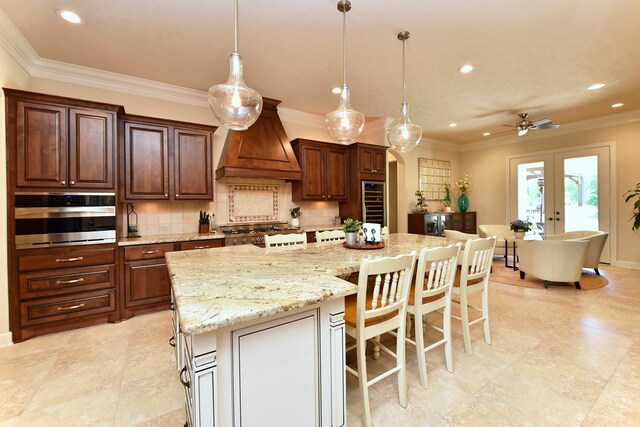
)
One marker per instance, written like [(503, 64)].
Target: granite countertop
[(216, 288), (168, 238)]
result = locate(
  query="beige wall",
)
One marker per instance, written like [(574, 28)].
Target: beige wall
[(487, 170), (12, 76), (408, 179)]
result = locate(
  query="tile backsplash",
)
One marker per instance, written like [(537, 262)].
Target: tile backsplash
[(237, 200)]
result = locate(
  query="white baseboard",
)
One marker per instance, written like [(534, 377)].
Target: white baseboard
[(5, 339), (627, 264)]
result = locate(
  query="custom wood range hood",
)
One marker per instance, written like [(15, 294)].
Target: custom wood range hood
[(262, 151)]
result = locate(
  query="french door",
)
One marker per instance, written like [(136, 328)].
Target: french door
[(562, 191)]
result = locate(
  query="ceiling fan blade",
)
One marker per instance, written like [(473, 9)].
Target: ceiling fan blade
[(547, 126), (523, 132), (541, 122)]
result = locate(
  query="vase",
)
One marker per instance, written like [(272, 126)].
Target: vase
[(519, 234), (350, 238), (295, 222), (463, 203)]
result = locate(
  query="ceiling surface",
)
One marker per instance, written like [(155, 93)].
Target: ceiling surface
[(529, 56)]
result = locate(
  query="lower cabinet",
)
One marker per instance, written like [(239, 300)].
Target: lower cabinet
[(62, 288), (145, 285)]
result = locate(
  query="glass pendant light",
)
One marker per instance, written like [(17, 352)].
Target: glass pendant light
[(403, 135), (344, 124), (233, 103)]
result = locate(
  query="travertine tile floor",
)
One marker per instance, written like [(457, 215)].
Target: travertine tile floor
[(559, 357)]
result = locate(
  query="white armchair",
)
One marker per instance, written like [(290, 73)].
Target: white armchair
[(553, 260), (596, 240), (500, 231)]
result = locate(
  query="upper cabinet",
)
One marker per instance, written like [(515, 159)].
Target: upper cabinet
[(324, 171), (373, 161), (166, 160), (61, 143)]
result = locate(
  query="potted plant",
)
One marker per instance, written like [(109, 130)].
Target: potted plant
[(421, 204), (295, 214), (351, 228), (636, 206), (520, 227)]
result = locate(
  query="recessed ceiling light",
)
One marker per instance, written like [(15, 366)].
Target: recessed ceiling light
[(617, 105), (336, 90), (70, 16), (486, 134), (452, 125), (466, 69), (596, 86)]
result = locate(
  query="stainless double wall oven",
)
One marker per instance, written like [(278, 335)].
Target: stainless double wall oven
[(50, 219)]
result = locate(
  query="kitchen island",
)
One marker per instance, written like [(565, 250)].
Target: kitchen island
[(260, 332)]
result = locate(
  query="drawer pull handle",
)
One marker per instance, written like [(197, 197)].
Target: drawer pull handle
[(150, 252), (69, 282), (184, 383), (201, 247), (172, 307), (172, 341), (73, 307), (80, 258)]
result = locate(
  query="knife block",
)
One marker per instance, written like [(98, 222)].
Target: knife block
[(204, 228)]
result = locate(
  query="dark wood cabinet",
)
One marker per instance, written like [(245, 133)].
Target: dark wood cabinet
[(146, 163), (324, 171), (91, 149), (145, 285), (62, 146), (435, 223), (41, 148), (373, 162), (166, 160), (63, 288), (193, 164), (366, 163)]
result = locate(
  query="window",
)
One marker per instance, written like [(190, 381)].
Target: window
[(433, 175)]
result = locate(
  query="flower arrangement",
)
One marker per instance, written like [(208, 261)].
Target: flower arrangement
[(520, 225), (421, 204), (463, 184), (295, 212), (351, 225)]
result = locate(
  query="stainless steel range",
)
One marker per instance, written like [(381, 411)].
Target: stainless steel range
[(253, 233)]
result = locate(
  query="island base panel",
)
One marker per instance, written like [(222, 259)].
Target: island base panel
[(282, 370)]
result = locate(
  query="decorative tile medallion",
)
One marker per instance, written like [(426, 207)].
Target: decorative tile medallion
[(252, 203)]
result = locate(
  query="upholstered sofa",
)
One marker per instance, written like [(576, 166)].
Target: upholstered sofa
[(500, 231), (596, 240), (553, 260)]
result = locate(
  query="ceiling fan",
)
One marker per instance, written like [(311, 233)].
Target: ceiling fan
[(524, 125)]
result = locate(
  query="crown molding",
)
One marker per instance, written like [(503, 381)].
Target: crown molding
[(580, 126), (76, 74), (12, 40)]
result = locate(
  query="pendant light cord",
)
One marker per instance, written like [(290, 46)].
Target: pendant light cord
[(235, 28), (404, 86), (344, 47)]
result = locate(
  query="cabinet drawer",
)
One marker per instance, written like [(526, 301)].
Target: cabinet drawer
[(49, 260), (201, 244), (136, 253), (49, 310), (60, 282)]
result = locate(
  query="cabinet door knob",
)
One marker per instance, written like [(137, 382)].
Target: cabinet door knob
[(329, 196), (72, 182), (63, 182), (166, 195)]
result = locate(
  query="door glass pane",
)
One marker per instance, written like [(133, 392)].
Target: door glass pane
[(581, 193), (531, 195)]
